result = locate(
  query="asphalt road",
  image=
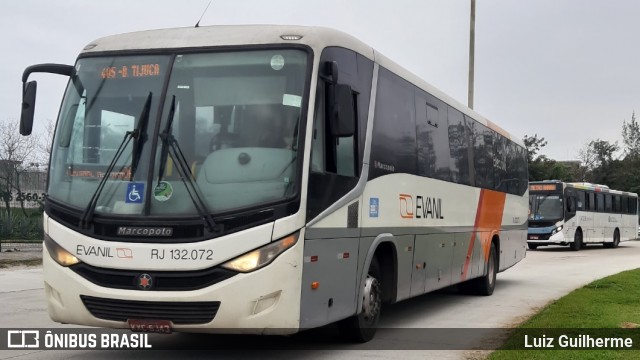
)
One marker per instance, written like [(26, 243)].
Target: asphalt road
[(408, 327)]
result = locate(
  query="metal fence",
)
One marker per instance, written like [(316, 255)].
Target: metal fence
[(20, 245), (24, 190)]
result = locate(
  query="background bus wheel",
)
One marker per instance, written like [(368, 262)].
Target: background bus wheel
[(616, 240), (577, 241), (362, 327), (532, 246)]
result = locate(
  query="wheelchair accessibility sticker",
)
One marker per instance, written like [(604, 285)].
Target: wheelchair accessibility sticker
[(135, 193)]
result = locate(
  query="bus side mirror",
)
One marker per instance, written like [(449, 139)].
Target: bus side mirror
[(29, 92), (341, 113), (331, 71), (28, 107)]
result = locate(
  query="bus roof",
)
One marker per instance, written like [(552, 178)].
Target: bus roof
[(585, 186), (233, 35)]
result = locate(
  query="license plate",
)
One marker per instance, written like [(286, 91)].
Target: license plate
[(533, 237), (150, 326)]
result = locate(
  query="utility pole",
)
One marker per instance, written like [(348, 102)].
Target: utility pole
[(472, 46)]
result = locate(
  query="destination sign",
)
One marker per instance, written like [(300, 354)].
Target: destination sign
[(542, 187), (130, 71)]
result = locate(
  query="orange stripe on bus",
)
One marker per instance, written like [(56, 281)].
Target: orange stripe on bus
[(498, 129), (488, 222)]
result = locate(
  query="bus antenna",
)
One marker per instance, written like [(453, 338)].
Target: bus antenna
[(204, 12)]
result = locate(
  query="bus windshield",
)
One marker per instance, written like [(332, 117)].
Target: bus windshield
[(233, 132), (546, 207)]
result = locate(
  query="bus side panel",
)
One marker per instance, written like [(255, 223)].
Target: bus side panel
[(405, 252), (513, 245), (514, 230), (332, 263), (433, 259), (459, 256), (630, 227)]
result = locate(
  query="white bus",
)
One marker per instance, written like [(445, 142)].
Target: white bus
[(266, 179), (578, 214)]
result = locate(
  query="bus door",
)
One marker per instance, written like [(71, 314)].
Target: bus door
[(570, 213)]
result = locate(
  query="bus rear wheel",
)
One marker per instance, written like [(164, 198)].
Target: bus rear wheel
[(615, 242), (483, 285), (486, 284), (362, 327), (577, 241), (532, 246)]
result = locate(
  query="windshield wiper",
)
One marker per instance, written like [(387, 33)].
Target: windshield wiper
[(165, 147), (171, 147), (139, 133)]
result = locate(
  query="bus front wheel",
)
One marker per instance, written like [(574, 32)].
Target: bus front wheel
[(577, 241), (362, 327)]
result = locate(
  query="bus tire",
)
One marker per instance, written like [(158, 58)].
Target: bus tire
[(362, 327), (485, 285), (577, 241), (532, 246), (616, 240)]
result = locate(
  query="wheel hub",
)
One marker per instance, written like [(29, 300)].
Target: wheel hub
[(371, 298)]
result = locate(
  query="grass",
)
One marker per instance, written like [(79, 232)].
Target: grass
[(5, 263), (606, 308)]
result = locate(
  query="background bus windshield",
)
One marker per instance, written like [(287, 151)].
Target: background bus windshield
[(545, 207)]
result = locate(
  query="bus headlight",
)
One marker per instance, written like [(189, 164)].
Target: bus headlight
[(557, 230), (258, 258), (60, 255)]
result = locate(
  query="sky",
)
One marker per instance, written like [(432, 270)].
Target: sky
[(566, 70)]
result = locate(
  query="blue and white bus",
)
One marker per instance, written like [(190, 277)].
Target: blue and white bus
[(578, 214)]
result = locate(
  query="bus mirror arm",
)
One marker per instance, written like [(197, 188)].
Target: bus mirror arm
[(29, 92), (330, 72)]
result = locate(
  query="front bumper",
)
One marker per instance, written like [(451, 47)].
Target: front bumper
[(557, 238), (266, 301)]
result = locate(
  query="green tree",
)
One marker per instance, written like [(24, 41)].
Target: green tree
[(540, 166), (534, 145), (16, 152), (631, 136), (603, 162), (600, 163)]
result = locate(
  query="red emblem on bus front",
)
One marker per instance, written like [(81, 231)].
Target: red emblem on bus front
[(145, 281)]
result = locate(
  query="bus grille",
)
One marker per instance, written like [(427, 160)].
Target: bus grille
[(177, 312), (162, 280)]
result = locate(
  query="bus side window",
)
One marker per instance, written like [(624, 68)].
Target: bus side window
[(580, 205), (608, 203), (600, 202), (615, 206), (336, 161), (571, 205), (332, 154)]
